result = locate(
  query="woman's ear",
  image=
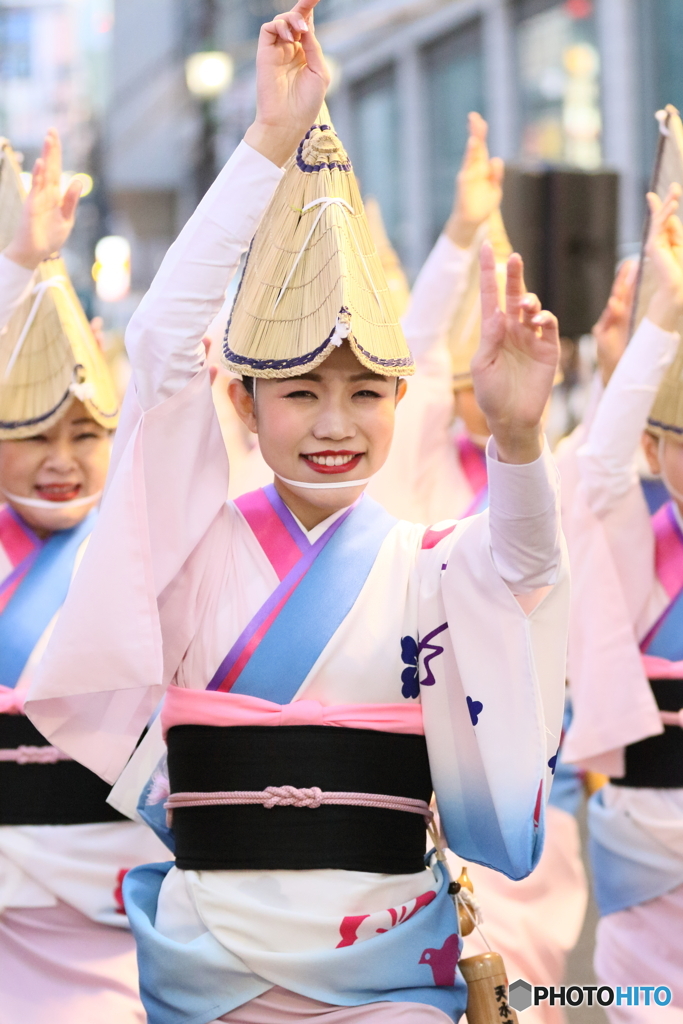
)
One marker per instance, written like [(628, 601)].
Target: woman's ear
[(401, 388), (243, 403), (650, 444)]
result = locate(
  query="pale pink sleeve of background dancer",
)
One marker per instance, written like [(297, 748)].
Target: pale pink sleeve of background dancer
[(422, 480), (612, 560)]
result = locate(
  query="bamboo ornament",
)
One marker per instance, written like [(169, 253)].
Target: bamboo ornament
[(313, 278), (487, 989), (48, 353)]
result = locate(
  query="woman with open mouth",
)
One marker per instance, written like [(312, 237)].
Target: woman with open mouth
[(66, 951), (324, 667)]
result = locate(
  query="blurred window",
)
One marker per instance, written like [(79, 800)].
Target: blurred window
[(376, 149), (559, 75), (660, 31), (454, 86), (15, 42)]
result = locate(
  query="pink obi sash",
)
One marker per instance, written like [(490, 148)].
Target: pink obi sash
[(206, 707)]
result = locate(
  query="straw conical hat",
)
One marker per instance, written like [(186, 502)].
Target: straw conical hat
[(48, 353), (313, 277), (391, 264), (668, 168), (666, 415), (465, 331)]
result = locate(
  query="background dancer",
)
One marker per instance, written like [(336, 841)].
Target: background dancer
[(628, 579), (66, 952)]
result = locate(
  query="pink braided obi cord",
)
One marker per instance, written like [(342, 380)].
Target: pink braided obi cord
[(202, 707), (292, 796)]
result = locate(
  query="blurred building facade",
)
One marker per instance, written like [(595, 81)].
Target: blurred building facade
[(570, 82), (562, 82)]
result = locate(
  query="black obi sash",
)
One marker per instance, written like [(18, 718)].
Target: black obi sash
[(204, 758), (60, 793), (657, 762)]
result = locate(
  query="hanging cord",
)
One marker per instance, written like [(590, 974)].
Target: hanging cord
[(324, 203), (461, 897)]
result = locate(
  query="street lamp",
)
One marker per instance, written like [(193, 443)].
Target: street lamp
[(207, 74)]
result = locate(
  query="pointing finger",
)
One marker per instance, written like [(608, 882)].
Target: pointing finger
[(489, 283), (514, 286)]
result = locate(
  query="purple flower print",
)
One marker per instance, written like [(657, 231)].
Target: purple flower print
[(409, 676)]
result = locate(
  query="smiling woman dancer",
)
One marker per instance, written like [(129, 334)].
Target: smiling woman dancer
[(66, 953), (328, 665)]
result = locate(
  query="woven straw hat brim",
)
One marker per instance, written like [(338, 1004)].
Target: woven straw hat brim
[(313, 277), (57, 359)]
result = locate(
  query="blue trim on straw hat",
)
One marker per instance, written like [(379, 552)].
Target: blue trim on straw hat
[(308, 168), (16, 424), (664, 426)]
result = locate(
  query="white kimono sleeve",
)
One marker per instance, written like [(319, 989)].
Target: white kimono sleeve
[(167, 488)]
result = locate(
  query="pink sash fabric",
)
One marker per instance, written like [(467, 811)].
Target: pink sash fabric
[(473, 462), (203, 707), (11, 701), (669, 571), (278, 1006), (668, 550), (58, 966), (21, 546)]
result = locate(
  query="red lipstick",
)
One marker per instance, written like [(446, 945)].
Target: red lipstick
[(58, 492), (320, 467)]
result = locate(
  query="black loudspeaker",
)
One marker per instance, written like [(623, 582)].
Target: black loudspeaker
[(564, 225)]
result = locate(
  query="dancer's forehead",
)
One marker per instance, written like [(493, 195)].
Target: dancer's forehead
[(341, 364)]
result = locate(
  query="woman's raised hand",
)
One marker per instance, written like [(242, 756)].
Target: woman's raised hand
[(515, 365), (479, 187), (48, 216), (611, 330), (664, 249), (291, 81)]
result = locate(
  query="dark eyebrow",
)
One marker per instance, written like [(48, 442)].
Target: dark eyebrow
[(354, 378), (368, 375)]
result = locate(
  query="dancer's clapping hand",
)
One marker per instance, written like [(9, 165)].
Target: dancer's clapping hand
[(479, 186), (664, 249), (291, 81), (47, 216), (516, 362)]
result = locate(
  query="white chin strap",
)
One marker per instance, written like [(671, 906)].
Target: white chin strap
[(52, 506), (323, 487), (662, 472)]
